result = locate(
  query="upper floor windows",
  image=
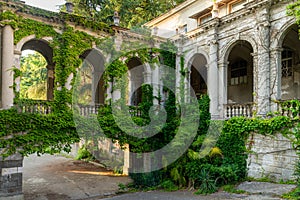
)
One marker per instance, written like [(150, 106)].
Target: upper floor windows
[(204, 18), (236, 5)]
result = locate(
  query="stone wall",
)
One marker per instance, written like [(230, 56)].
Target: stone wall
[(11, 177), (271, 156)]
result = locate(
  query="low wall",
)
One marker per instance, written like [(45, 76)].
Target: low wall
[(271, 156), (11, 178)]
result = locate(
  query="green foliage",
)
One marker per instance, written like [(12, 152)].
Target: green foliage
[(293, 195), (168, 185), (33, 77), (25, 27), (207, 185), (294, 10), (132, 13), (84, 154), (31, 132), (144, 180), (34, 133)]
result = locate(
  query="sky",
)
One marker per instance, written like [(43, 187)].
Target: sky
[(51, 5)]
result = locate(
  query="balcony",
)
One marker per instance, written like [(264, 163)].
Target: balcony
[(237, 110)]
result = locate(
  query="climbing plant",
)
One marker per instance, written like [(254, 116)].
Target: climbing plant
[(32, 132)]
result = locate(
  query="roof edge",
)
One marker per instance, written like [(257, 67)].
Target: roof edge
[(169, 13)]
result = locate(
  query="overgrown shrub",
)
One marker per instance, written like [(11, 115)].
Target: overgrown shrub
[(150, 179)]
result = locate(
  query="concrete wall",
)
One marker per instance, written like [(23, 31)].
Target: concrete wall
[(271, 156)]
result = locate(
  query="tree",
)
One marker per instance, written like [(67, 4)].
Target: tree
[(132, 13), (294, 10), (34, 77)]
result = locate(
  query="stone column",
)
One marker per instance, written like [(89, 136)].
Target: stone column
[(116, 94), (50, 84), (213, 77), (263, 63), (188, 87), (155, 82), (7, 65), (178, 75), (108, 91), (178, 68), (223, 80), (17, 64), (255, 81), (275, 76)]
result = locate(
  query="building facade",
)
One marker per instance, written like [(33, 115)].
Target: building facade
[(245, 52)]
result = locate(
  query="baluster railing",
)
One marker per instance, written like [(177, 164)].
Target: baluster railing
[(34, 106), (289, 108), (236, 110)]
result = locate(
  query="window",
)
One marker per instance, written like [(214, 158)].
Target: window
[(204, 19), (286, 63), (238, 73), (237, 5)]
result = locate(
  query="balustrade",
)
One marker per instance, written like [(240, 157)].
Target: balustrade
[(236, 110)]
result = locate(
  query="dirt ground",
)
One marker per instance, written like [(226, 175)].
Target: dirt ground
[(60, 178)]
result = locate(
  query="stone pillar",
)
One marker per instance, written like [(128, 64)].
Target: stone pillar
[(178, 75), (263, 63), (11, 178), (213, 77), (188, 87), (108, 91), (116, 93), (155, 82), (255, 81), (17, 64), (68, 82), (178, 68), (7, 65), (275, 76), (50, 84), (223, 84)]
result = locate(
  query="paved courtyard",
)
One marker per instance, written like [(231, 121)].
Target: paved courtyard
[(59, 178)]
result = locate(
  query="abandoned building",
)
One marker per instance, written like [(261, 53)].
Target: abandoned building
[(245, 54)]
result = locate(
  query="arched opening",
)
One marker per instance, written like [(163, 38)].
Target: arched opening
[(198, 76), (37, 67), (91, 87), (136, 79), (290, 65), (240, 73)]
